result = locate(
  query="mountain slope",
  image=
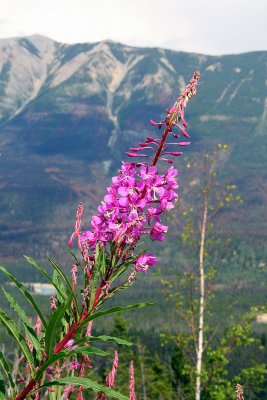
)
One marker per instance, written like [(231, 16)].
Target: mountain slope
[(68, 113)]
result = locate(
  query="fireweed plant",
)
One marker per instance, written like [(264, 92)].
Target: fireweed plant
[(62, 344)]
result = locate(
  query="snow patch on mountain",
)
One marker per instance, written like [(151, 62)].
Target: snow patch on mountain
[(25, 65)]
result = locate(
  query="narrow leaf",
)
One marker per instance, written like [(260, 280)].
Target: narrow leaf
[(54, 323), (17, 335), (26, 322), (86, 383), (64, 276), (6, 368), (113, 310), (43, 272), (97, 273), (75, 258), (2, 387), (67, 353), (104, 338), (58, 282), (120, 271), (26, 293)]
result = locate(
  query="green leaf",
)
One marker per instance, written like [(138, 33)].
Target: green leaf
[(27, 324), (104, 338), (64, 276), (58, 282), (89, 350), (120, 271), (86, 383), (43, 272), (75, 258), (113, 310), (17, 335), (67, 353), (28, 296), (6, 368), (2, 387), (61, 273), (54, 324), (98, 272)]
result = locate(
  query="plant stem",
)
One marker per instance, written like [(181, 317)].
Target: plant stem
[(26, 390)]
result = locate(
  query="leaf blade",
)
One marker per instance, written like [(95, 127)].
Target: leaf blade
[(86, 383), (104, 338), (26, 293), (113, 310), (53, 324), (64, 276), (6, 368), (26, 322), (17, 335), (67, 353), (43, 272)]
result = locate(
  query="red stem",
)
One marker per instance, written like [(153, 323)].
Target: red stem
[(163, 139), (26, 390), (65, 340)]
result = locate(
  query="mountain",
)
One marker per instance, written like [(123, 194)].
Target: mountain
[(69, 112)]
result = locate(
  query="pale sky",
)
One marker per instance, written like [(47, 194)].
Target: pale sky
[(205, 26)]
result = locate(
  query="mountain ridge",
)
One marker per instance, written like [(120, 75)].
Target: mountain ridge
[(69, 112)]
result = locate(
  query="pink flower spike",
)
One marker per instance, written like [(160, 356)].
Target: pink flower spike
[(176, 136), (110, 380), (78, 223), (89, 329), (132, 394), (38, 326), (74, 272), (67, 392)]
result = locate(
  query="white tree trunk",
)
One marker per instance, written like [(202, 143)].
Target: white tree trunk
[(201, 296)]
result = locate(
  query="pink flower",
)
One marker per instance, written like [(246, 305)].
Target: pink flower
[(69, 344), (145, 261), (67, 392), (157, 232), (110, 379), (74, 272), (132, 394)]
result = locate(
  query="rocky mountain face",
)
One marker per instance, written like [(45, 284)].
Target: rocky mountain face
[(69, 112)]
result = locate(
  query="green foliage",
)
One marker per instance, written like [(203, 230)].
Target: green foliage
[(26, 293), (30, 332), (6, 368), (223, 340), (152, 378), (55, 326), (50, 346), (112, 311), (2, 388)]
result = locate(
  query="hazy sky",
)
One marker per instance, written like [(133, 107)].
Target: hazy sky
[(204, 26)]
